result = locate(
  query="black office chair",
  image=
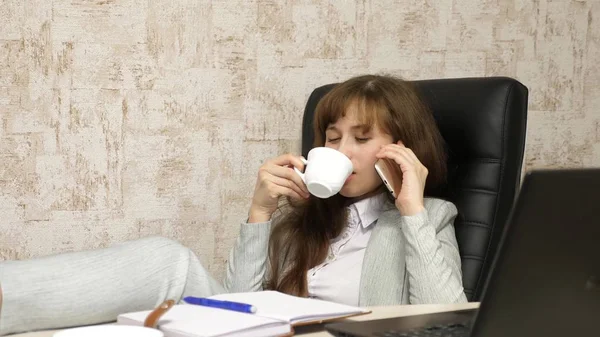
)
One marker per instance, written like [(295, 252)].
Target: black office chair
[(483, 121)]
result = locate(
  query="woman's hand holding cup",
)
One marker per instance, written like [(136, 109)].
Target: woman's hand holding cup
[(276, 178)]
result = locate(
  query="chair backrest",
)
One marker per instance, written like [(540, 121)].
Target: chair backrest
[(483, 121)]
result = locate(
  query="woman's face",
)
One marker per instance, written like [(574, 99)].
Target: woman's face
[(348, 136)]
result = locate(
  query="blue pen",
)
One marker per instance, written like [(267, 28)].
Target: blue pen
[(235, 306)]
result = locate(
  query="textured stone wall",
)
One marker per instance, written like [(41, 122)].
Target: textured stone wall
[(127, 118)]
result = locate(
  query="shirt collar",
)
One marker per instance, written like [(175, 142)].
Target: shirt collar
[(369, 209)]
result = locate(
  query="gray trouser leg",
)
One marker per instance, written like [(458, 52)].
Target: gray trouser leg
[(95, 286)]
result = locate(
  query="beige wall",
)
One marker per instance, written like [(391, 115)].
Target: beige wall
[(126, 118)]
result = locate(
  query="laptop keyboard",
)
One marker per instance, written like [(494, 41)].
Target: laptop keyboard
[(449, 330)]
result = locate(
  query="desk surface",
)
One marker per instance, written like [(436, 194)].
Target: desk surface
[(387, 312), (377, 313)]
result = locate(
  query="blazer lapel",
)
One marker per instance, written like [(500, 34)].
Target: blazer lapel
[(383, 275)]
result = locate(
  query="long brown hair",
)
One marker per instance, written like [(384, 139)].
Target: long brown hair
[(302, 231)]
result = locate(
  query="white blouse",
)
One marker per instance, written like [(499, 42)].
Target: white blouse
[(337, 279)]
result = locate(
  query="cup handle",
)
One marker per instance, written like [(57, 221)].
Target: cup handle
[(298, 171)]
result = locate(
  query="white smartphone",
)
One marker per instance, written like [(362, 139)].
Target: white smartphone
[(391, 175)]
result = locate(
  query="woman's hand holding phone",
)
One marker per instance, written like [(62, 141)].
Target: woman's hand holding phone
[(409, 199)]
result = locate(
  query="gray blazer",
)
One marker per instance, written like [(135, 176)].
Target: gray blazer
[(408, 260)]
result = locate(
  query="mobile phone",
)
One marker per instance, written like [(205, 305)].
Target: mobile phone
[(391, 175)]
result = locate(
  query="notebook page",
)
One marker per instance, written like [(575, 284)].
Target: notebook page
[(290, 308), (190, 329), (193, 320)]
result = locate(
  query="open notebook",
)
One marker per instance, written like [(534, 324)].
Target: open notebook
[(276, 315)]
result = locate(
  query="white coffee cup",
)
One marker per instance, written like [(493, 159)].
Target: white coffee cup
[(110, 330), (326, 171)]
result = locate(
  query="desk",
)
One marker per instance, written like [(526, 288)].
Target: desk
[(387, 312), (318, 331)]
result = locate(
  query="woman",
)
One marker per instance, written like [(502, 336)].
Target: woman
[(360, 247)]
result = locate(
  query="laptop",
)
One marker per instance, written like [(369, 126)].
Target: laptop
[(545, 279)]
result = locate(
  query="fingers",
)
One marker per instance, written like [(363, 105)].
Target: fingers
[(287, 160), (400, 158), (278, 190), (402, 155), (287, 178), (412, 154), (279, 172), (288, 174)]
